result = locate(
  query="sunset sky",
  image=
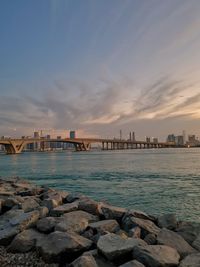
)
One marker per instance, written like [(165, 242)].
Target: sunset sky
[(98, 66)]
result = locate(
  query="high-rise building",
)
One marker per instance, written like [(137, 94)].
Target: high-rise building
[(171, 138), (179, 140), (133, 136), (72, 134), (148, 139)]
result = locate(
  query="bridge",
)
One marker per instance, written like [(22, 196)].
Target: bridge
[(16, 146)]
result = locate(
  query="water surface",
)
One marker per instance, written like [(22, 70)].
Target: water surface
[(155, 180)]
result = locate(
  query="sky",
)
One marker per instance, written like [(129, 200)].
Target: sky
[(98, 66)]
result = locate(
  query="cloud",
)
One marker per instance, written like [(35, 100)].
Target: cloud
[(112, 103)]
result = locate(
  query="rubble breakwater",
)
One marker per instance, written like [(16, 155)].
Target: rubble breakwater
[(40, 226)]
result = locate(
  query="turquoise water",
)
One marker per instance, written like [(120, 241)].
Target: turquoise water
[(155, 180)]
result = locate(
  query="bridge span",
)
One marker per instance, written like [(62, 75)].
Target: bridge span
[(16, 146)]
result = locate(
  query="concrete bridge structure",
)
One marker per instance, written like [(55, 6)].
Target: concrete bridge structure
[(16, 146)]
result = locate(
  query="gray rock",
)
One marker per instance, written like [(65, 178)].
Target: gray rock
[(196, 243), (60, 210), (168, 221), (150, 239), (189, 231), (14, 221), (59, 246), (111, 212), (89, 205), (25, 241), (46, 225), (29, 204), (10, 202), (114, 247), (84, 261), (192, 260), (147, 227), (50, 203), (156, 256), (101, 227), (141, 215), (172, 239), (74, 196), (75, 221), (132, 263)]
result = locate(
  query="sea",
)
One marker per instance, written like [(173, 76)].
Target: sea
[(156, 181)]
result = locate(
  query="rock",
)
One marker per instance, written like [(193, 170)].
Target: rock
[(75, 221), (74, 196), (133, 263), (60, 210), (43, 212), (135, 232), (147, 227), (10, 202), (88, 205), (196, 243), (111, 212), (156, 256), (29, 204), (84, 261), (25, 241), (167, 221), (192, 260), (50, 203), (150, 239), (189, 231), (101, 227), (14, 221), (172, 239), (113, 247), (61, 247), (141, 215), (46, 225)]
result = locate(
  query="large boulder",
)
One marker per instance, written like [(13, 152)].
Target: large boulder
[(89, 205), (156, 256), (84, 261), (61, 247), (15, 221), (46, 225), (101, 227), (75, 221), (113, 247), (192, 260), (29, 204), (60, 210), (25, 241), (196, 243), (172, 239), (132, 263), (147, 226), (189, 231), (168, 221), (111, 212)]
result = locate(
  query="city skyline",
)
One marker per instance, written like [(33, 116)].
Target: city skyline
[(100, 66)]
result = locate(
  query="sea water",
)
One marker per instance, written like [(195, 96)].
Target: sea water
[(156, 181)]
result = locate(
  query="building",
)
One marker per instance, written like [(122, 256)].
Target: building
[(171, 138), (155, 140), (72, 134), (148, 139), (179, 140), (193, 140)]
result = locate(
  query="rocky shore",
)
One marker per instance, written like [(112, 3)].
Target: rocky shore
[(40, 226)]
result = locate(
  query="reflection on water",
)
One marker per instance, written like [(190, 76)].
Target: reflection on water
[(156, 181)]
